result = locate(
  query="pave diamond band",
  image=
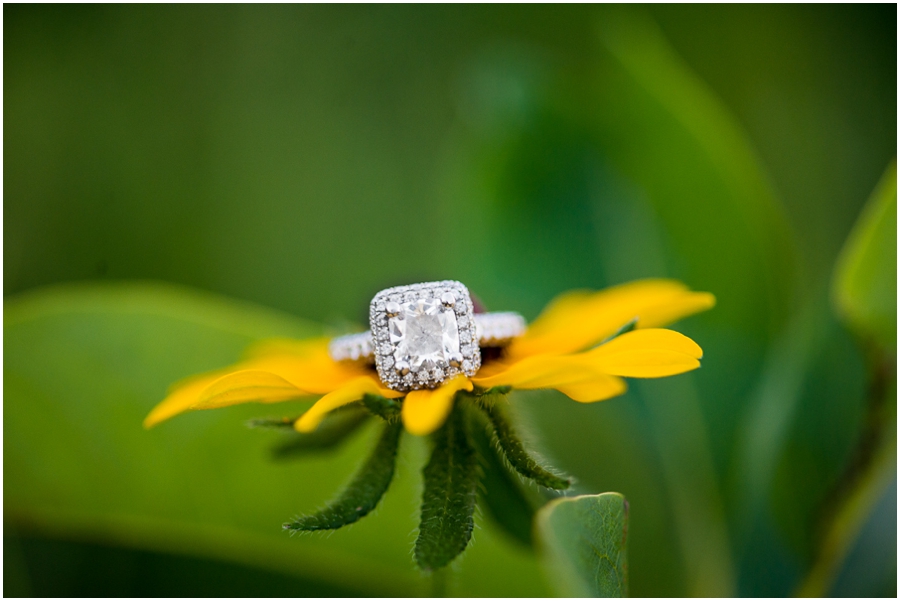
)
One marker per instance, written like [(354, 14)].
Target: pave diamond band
[(424, 334), (499, 328), (352, 347)]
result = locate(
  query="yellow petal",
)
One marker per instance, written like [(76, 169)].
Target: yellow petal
[(558, 311), (541, 371), (350, 392), (677, 308), (247, 386), (303, 364), (592, 376), (182, 396), (650, 353), (576, 376), (425, 410), (316, 375), (577, 320), (599, 388)]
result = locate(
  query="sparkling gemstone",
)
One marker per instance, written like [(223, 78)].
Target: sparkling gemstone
[(424, 333)]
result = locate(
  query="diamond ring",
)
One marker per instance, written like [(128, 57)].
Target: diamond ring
[(424, 334)]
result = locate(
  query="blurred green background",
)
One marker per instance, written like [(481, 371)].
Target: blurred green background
[(257, 167)]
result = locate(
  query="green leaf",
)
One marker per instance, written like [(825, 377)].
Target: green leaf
[(501, 493), (864, 287), (448, 501), (333, 431), (364, 491), (515, 452), (83, 366), (582, 542)]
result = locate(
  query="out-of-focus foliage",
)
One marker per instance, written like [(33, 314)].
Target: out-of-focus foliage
[(864, 288), (865, 285), (304, 157)]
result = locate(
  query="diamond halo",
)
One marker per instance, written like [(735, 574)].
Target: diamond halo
[(424, 334)]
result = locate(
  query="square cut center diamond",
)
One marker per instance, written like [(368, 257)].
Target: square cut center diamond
[(425, 334)]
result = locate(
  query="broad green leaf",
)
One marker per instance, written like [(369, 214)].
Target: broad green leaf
[(59, 568), (448, 501), (84, 364), (513, 450), (865, 279), (582, 543), (365, 490)]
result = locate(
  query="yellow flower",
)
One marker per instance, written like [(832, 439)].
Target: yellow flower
[(571, 347)]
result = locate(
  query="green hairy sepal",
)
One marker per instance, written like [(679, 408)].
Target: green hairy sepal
[(477, 450), (364, 491), (511, 445), (448, 501), (333, 430), (505, 499), (385, 408)]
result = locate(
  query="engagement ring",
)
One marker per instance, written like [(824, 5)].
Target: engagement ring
[(424, 334)]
